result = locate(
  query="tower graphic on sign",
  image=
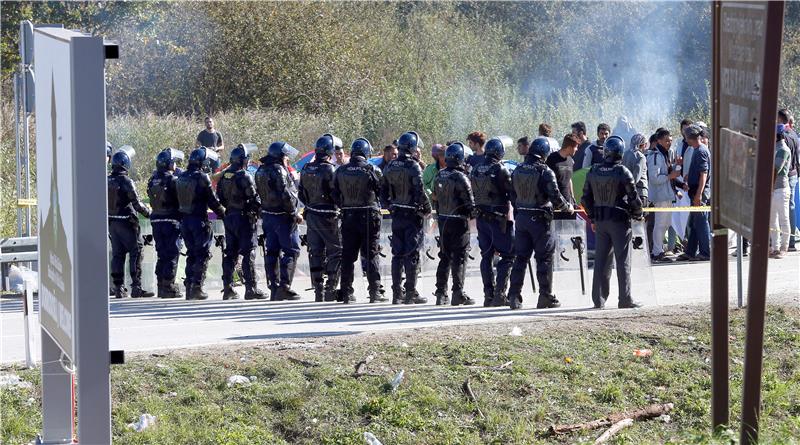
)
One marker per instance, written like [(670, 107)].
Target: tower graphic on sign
[(56, 273)]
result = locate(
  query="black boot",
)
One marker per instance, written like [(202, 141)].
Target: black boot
[(120, 291), (138, 292), (252, 292), (273, 293), (462, 299), (174, 290), (197, 293), (376, 294), (630, 305), (488, 299), (319, 293), (168, 289), (441, 298), (397, 294), (284, 292), (189, 287), (500, 299), (412, 297), (331, 295), (547, 302), (228, 293), (515, 302)]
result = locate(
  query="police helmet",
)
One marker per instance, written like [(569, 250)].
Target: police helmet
[(454, 154), (409, 143), (496, 147), (540, 147), (613, 149), (281, 149), (121, 160), (204, 159), (166, 158), (327, 144), (241, 154), (109, 149), (361, 147)]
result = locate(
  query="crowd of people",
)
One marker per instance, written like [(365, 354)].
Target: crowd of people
[(608, 182)]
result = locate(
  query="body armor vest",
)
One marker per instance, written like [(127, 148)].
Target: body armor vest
[(163, 195), (316, 186), (453, 194), (276, 187), (491, 182), (403, 178), (357, 185)]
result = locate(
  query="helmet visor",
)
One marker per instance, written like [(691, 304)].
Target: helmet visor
[(128, 150), (289, 151), (249, 148), (177, 155)]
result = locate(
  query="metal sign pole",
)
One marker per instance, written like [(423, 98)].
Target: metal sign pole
[(719, 261), (27, 307), (20, 219), (757, 285), (739, 278)]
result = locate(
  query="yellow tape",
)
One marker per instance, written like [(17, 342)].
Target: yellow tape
[(26, 202)]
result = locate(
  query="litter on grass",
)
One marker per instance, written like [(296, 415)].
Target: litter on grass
[(145, 421), (515, 332), (371, 439), (238, 380), (397, 380)]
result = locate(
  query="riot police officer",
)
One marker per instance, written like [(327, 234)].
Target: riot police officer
[(279, 218), (123, 227), (195, 197), (402, 190), (237, 192), (356, 187), (455, 206), (491, 184), (611, 201), (535, 194), (165, 221), (322, 221)]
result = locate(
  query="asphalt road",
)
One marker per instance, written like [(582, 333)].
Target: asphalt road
[(143, 325)]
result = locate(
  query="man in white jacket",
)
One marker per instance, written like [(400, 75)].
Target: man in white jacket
[(660, 174)]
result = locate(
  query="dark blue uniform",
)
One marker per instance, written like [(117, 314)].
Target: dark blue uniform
[(402, 190), (125, 234), (166, 226), (534, 196), (237, 192), (195, 197), (279, 216), (455, 206), (491, 184), (322, 226)]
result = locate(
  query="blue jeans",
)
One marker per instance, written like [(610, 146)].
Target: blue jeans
[(699, 235), (792, 211)]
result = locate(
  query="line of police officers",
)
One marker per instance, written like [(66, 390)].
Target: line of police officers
[(342, 210)]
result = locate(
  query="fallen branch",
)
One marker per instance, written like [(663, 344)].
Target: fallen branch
[(492, 368), (305, 363), (468, 391), (361, 367), (615, 428), (649, 412)]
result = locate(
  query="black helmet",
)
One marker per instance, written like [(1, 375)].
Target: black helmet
[(454, 154), (613, 149), (540, 148), (241, 154), (361, 147), (327, 144), (409, 143), (166, 158), (496, 147), (122, 158), (280, 149), (204, 159)]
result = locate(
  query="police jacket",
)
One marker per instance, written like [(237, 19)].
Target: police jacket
[(276, 187), (356, 185), (195, 195), (610, 194), (316, 187), (123, 202), (491, 184), (402, 188), (163, 195), (237, 192), (534, 188), (453, 194)]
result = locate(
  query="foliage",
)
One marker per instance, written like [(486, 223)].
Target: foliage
[(288, 402)]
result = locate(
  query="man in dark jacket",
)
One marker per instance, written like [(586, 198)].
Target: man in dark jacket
[(356, 188), (402, 190), (165, 221), (237, 192), (322, 218), (610, 201), (534, 195), (279, 218), (123, 227), (455, 206), (195, 197)]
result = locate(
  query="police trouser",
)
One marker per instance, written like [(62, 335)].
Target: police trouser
[(407, 238), (532, 237), (453, 248), (281, 237), (240, 239), (324, 247), (494, 239), (613, 242), (362, 228), (167, 236), (197, 234), (126, 239)]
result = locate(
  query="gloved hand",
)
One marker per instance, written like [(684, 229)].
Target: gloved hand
[(570, 210)]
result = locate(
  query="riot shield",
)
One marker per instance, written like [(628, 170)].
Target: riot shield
[(571, 280), (643, 288)]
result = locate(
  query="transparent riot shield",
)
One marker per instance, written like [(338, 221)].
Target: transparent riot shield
[(643, 288), (571, 279)]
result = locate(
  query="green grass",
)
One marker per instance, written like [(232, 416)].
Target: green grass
[(325, 404)]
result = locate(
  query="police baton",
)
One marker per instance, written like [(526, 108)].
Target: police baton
[(577, 244), (533, 282)]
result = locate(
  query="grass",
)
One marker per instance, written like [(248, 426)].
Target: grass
[(561, 373)]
